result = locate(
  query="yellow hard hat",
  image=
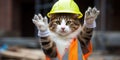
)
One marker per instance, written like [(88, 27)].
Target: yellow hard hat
[(65, 6)]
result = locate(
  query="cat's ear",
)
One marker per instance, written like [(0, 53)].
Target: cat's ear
[(75, 16), (52, 17)]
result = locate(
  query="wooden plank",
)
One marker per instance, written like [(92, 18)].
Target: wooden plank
[(22, 53), (26, 42)]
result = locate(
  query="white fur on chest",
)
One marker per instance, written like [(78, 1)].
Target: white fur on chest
[(63, 42)]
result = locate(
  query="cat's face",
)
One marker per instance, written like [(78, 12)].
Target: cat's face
[(64, 24)]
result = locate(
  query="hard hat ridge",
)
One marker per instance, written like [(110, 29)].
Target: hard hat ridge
[(65, 6)]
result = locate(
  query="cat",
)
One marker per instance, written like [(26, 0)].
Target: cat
[(62, 28)]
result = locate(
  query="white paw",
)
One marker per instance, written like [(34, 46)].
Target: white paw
[(40, 22), (91, 14)]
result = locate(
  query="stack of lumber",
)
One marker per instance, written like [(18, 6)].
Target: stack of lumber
[(23, 54)]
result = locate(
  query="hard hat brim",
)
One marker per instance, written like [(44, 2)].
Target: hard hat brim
[(67, 11)]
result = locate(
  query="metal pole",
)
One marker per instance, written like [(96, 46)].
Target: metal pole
[(37, 10), (103, 15), (101, 4), (97, 5)]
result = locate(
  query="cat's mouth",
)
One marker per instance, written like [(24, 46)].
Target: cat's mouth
[(62, 31)]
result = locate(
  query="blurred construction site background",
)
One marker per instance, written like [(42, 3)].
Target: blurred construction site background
[(18, 35)]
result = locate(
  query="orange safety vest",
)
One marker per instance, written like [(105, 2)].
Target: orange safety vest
[(74, 51)]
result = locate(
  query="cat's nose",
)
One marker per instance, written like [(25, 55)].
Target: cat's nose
[(63, 28)]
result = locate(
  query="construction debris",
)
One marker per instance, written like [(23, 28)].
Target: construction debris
[(18, 53)]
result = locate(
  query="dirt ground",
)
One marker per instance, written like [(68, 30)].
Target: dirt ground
[(99, 55), (38, 55)]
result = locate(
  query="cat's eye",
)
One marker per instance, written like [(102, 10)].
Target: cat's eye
[(68, 22), (58, 22)]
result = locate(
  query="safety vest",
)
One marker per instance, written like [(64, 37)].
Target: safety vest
[(74, 52)]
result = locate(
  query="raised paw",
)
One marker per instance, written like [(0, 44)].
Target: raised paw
[(91, 14), (40, 22)]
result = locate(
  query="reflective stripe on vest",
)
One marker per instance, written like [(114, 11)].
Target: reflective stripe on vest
[(65, 57)]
